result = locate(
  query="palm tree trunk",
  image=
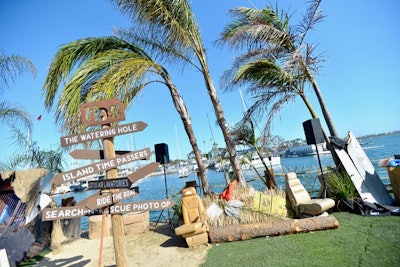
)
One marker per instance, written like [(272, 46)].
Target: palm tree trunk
[(270, 180), (187, 123), (324, 108), (313, 115), (219, 114)]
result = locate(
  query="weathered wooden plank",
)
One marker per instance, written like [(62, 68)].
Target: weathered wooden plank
[(102, 133), (143, 172), (116, 183), (101, 166), (93, 154), (51, 214), (105, 199), (126, 207)]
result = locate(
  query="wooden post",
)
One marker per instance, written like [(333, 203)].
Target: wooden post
[(116, 219), (103, 229)]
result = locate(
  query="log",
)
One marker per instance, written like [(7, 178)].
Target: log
[(231, 233)]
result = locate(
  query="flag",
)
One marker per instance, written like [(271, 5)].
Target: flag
[(39, 118)]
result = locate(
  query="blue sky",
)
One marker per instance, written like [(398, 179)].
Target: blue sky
[(359, 79)]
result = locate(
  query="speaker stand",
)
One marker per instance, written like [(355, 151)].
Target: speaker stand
[(322, 171), (166, 195)]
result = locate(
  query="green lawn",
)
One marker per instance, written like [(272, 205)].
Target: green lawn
[(359, 241)]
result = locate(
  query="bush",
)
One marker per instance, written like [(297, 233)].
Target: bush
[(341, 188)]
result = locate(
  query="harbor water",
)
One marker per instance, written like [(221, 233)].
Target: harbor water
[(164, 186)]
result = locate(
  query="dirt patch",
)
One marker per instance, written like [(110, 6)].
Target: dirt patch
[(157, 247)]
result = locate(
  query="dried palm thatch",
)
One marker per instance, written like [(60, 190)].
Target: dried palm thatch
[(26, 185), (57, 235), (252, 211)]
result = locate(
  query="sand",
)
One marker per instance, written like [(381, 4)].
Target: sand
[(157, 247)]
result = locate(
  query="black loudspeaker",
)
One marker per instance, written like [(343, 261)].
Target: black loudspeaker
[(313, 132), (162, 155)]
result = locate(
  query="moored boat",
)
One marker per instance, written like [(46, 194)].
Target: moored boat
[(306, 150), (256, 162), (184, 172)]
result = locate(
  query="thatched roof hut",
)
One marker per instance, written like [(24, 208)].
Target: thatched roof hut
[(22, 196)]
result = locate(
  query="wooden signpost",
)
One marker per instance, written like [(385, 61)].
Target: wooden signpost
[(143, 171), (110, 183), (93, 154), (125, 207), (113, 189), (102, 133), (52, 214), (103, 165), (102, 199)]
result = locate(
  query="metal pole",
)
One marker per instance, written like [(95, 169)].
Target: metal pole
[(322, 172), (166, 194), (166, 186)]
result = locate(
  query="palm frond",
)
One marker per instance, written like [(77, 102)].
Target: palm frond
[(173, 20), (13, 115), (13, 66), (274, 109), (313, 61), (243, 132), (125, 76), (263, 74), (162, 52), (75, 54), (12, 163), (253, 29), (95, 62), (312, 17), (227, 81)]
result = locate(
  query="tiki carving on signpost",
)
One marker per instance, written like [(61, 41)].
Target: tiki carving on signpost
[(114, 189)]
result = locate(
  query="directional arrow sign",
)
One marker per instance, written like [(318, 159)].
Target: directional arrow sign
[(103, 133), (93, 154), (104, 165), (143, 172), (100, 200), (116, 183), (51, 214), (125, 207)]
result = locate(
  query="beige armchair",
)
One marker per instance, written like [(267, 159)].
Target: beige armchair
[(194, 229), (301, 201)]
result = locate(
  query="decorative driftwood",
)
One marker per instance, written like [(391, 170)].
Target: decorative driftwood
[(279, 227)]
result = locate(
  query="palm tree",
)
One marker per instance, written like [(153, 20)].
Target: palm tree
[(243, 134), (173, 23), (11, 115), (11, 67), (105, 68), (34, 157), (278, 63), (14, 116), (20, 122)]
